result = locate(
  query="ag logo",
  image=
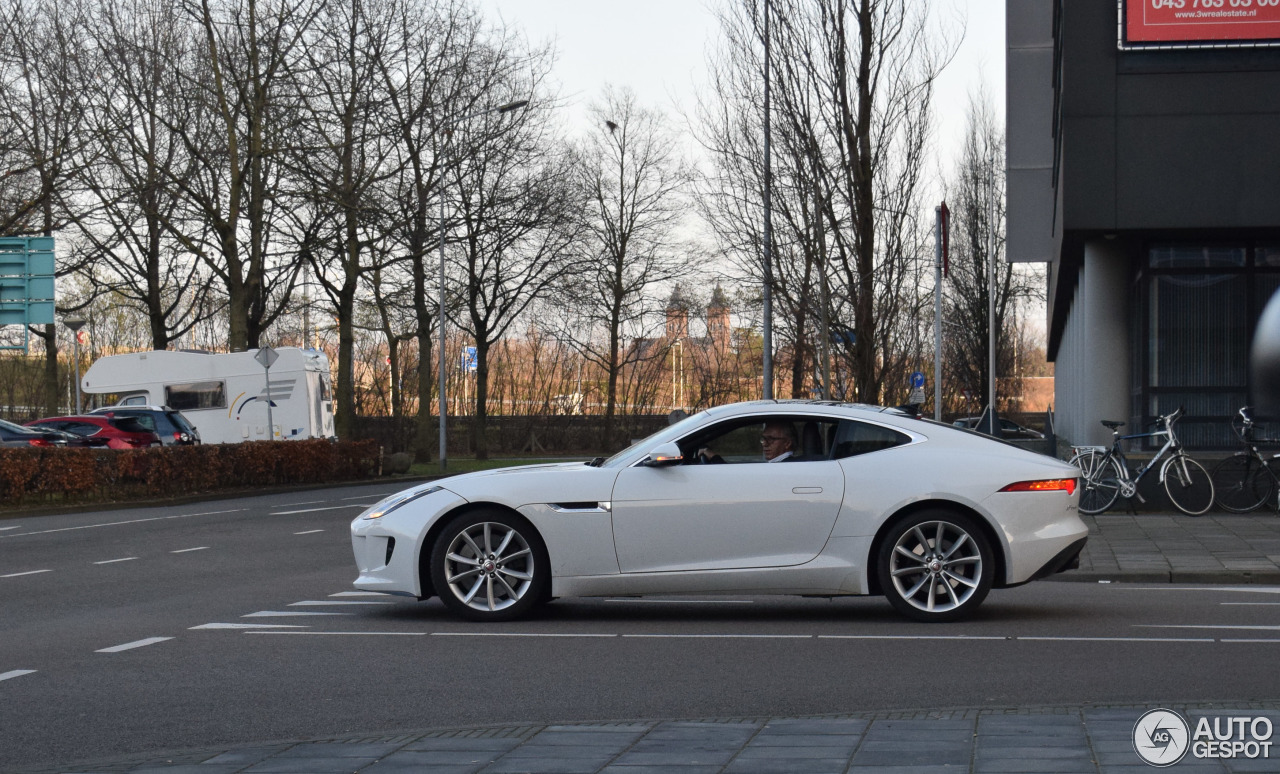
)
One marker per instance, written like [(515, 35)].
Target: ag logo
[(1160, 737)]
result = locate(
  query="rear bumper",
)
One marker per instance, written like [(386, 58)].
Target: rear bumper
[(1066, 559)]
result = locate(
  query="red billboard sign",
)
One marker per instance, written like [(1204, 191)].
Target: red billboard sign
[(1201, 22)]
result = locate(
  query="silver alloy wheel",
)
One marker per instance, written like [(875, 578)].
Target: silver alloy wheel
[(936, 566), (489, 566)]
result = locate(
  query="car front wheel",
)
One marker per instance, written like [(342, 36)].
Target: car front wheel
[(935, 566), (488, 565)]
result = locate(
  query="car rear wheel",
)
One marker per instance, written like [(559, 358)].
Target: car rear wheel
[(489, 565), (935, 566)]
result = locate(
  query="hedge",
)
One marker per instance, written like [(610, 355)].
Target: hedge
[(75, 475)]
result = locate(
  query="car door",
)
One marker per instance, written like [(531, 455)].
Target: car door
[(744, 514)]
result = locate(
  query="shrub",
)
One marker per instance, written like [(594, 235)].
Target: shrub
[(76, 475)]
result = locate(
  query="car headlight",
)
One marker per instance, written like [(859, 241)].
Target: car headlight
[(389, 504)]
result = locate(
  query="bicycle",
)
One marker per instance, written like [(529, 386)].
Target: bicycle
[(1246, 480), (1106, 471)]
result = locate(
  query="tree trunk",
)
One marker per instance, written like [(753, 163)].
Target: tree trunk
[(479, 440)]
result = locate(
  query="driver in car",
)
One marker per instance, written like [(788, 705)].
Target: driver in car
[(779, 441)]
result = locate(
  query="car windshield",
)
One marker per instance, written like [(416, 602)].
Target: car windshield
[(669, 433)]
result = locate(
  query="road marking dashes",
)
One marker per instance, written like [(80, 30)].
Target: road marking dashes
[(724, 636), (686, 601), (246, 626), (113, 561), (521, 634), (276, 613), (352, 634), (16, 673), (6, 529), (309, 532), (132, 645), (118, 523), (313, 510), (188, 550), (1206, 626), (20, 574), (323, 602), (358, 594)]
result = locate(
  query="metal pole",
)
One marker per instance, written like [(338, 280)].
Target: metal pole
[(991, 296), (821, 246), (75, 345), (444, 406), (271, 425), (768, 224), (937, 314)]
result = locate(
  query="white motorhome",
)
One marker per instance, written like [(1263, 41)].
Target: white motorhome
[(225, 395)]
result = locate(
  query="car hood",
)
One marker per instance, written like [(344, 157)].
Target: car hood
[(527, 484)]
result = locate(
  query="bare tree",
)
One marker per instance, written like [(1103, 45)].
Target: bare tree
[(974, 195), (140, 46), (854, 80), (634, 183), (516, 221)]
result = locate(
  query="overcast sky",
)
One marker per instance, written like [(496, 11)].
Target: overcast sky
[(657, 47)]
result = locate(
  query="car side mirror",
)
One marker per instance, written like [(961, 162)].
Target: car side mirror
[(663, 456)]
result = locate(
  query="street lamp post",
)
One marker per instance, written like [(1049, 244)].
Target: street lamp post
[(444, 405), (74, 324), (768, 225)]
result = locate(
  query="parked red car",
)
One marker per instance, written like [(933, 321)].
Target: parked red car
[(15, 436), (118, 432)]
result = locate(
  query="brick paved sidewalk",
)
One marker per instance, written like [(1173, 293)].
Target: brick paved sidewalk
[(1164, 547), (1057, 740)]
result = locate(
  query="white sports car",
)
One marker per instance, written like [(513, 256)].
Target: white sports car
[(870, 501)]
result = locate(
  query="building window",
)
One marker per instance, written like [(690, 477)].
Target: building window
[(1199, 305), (197, 395)]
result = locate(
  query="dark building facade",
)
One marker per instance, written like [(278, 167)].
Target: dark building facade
[(1144, 168)]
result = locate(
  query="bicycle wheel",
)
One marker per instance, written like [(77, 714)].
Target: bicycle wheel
[(1240, 484), (1188, 485), (1101, 480)]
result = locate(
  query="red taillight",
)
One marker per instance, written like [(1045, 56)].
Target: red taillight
[(1067, 485), (40, 442)]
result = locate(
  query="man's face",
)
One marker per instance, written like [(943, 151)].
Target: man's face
[(775, 441)]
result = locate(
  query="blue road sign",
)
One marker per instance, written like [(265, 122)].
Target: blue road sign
[(26, 283), (917, 380), (468, 358)]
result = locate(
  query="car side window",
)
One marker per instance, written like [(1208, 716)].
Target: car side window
[(854, 438), (743, 440)]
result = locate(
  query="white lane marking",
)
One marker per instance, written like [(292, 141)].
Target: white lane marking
[(113, 561), (313, 502), (685, 601), (358, 594), (309, 532), (313, 510), (1117, 639), (20, 574), (1247, 589), (516, 634), (352, 634), (366, 497), (16, 673), (1249, 603), (188, 550), (322, 602), (275, 613), (1206, 626), (6, 529), (1246, 640), (118, 523), (725, 636), (132, 645), (246, 626), (909, 637)]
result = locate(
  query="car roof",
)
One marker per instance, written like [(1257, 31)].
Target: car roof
[(121, 409)]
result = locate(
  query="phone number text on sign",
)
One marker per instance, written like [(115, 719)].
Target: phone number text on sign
[(1201, 21)]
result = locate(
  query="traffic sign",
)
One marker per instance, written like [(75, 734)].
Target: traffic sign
[(917, 380), (26, 283), (266, 356), (468, 358)]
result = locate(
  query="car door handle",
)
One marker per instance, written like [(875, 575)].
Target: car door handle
[(806, 490)]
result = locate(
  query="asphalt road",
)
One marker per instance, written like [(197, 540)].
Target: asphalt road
[(233, 621)]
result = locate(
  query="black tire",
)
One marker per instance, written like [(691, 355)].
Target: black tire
[(935, 566), (1240, 484), (490, 565), (1100, 480), (1188, 485)]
